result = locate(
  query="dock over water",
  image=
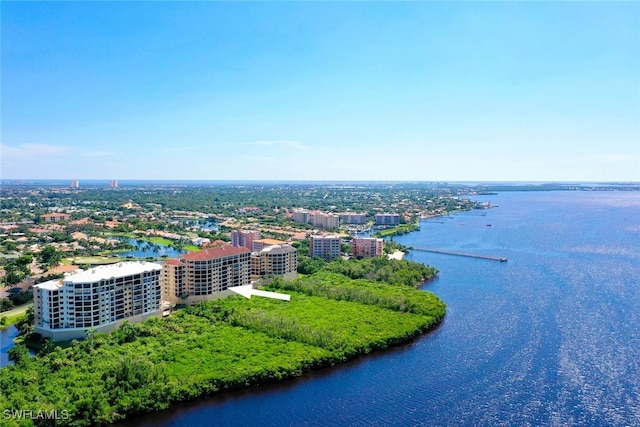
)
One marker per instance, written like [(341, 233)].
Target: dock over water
[(466, 254)]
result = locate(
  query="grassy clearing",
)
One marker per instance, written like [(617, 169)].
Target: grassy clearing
[(14, 314), (95, 260)]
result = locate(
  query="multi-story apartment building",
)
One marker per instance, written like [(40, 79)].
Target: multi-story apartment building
[(101, 298), (325, 220), (324, 246), (55, 217), (387, 219), (367, 247), (353, 218), (260, 244), (244, 238), (174, 280), (301, 216), (276, 260), (204, 275)]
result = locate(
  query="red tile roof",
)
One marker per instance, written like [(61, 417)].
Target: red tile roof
[(172, 262), (217, 252)]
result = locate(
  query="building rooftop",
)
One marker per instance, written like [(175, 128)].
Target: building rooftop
[(278, 249), (104, 272), (51, 285), (216, 252), (270, 241)]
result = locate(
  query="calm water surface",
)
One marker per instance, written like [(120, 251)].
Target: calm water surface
[(6, 343), (551, 337), (147, 249)]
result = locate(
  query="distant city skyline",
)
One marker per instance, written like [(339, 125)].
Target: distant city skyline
[(320, 91)]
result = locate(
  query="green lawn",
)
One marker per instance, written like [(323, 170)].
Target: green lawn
[(95, 260), (15, 313)]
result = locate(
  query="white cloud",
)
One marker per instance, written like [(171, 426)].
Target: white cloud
[(30, 151)]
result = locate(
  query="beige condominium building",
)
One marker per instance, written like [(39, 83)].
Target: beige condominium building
[(275, 260), (260, 244), (207, 274), (55, 217), (101, 298), (324, 246), (325, 220)]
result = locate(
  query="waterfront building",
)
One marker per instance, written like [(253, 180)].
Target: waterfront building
[(324, 246), (75, 183), (206, 274), (325, 220), (275, 260), (260, 244), (388, 219), (244, 238), (55, 217), (367, 247), (353, 218), (174, 279), (101, 298), (113, 183)]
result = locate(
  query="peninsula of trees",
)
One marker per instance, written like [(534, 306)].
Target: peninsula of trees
[(215, 346)]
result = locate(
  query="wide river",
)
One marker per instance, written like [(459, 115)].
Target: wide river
[(551, 337)]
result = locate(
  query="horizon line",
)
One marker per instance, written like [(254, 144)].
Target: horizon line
[(165, 180)]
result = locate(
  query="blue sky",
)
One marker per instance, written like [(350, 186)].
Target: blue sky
[(426, 91)]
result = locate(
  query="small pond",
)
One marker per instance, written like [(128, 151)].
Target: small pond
[(148, 249)]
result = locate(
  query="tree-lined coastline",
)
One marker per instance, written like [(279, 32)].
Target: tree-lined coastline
[(216, 346)]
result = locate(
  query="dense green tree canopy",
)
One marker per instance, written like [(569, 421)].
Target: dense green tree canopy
[(216, 346)]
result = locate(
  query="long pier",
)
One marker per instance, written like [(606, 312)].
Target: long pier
[(466, 254)]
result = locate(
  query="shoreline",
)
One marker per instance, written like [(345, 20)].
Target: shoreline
[(399, 255), (236, 326)]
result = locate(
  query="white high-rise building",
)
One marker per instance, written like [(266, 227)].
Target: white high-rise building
[(101, 298)]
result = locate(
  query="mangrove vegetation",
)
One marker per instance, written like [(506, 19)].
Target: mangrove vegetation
[(212, 347)]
